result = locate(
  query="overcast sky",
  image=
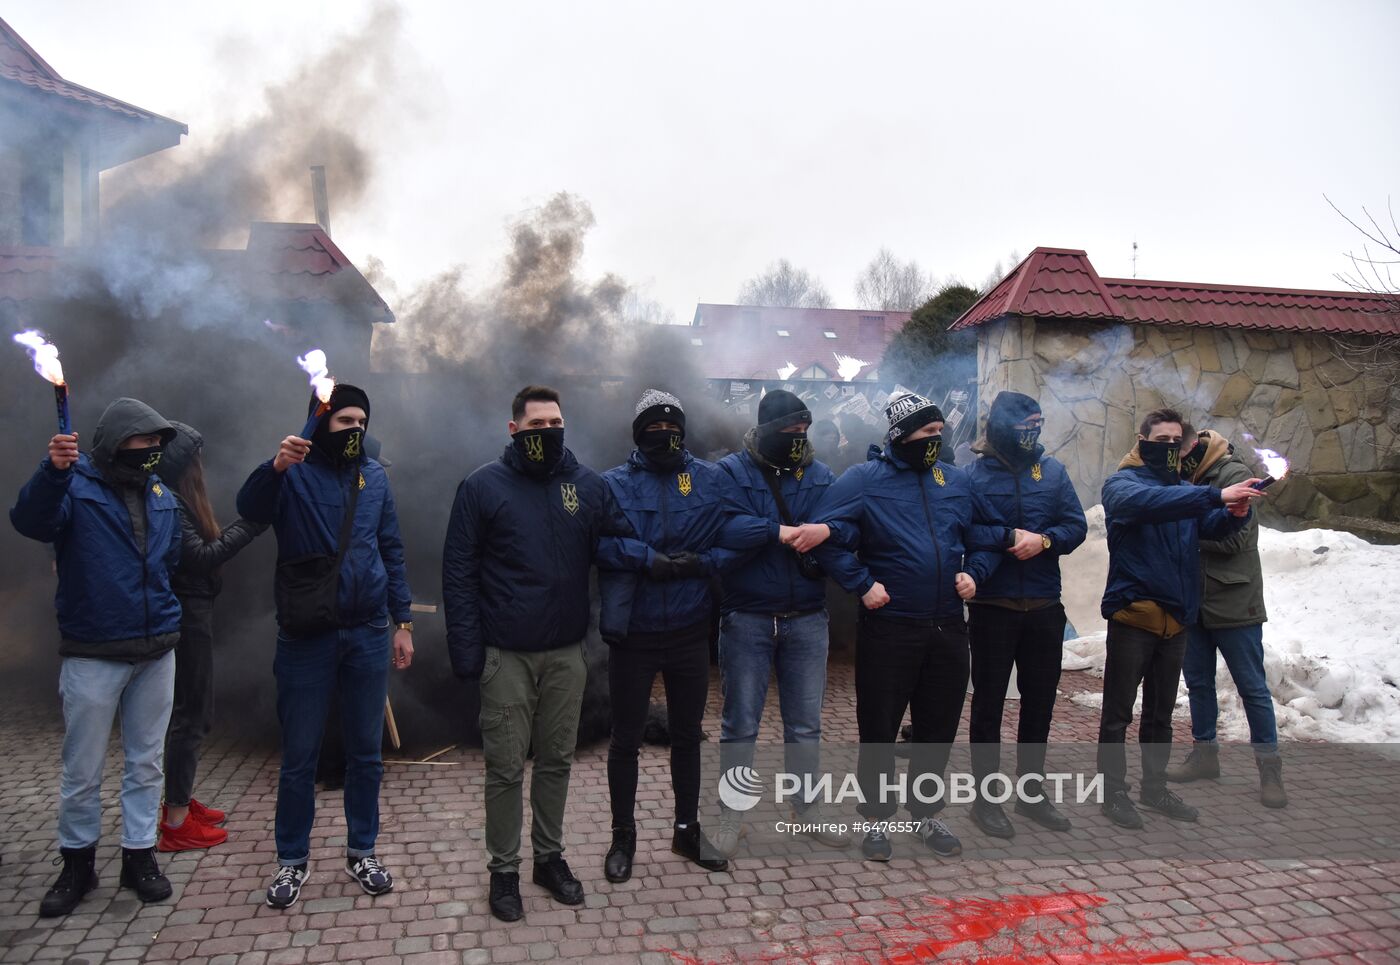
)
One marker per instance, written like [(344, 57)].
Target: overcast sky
[(711, 139)]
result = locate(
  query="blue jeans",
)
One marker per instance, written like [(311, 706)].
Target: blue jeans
[(93, 692), (353, 664), (751, 647), (1243, 650)]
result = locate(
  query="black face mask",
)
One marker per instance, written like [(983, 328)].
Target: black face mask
[(138, 462), (1192, 460), (540, 450), (343, 446), (1016, 446), (1163, 458), (919, 453), (663, 448), (786, 450)]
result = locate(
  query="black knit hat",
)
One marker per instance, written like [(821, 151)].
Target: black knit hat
[(343, 396), (779, 409), (909, 413), (1012, 409), (657, 406)]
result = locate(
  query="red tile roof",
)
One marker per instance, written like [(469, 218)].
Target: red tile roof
[(1060, 283), (742, 341)]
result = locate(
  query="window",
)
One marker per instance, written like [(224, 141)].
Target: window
[(829, 333), (814, 372), (872, 328), (783, 333)]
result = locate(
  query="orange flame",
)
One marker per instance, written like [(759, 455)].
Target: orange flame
[(45, 355), (314, 364)]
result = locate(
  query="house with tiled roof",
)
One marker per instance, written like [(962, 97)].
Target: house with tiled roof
[(1266, 367), (60, 137)]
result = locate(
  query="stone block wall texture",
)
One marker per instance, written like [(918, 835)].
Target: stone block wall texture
[(1339, 428)]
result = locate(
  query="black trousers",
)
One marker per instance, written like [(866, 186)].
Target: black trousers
[(684, 665), (918, 665), (1033, 642), (1138, 658), (193, 710)]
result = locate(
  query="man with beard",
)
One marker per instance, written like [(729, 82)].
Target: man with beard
[(340, 580), (1029, 502), (1231, 624), (116, 534), (1155, 522), (655, 617), (909, 518), (523, 535), (774, 613)]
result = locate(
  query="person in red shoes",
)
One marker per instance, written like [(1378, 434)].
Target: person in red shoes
[(185, 824)]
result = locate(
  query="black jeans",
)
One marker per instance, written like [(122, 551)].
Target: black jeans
[(684, 664), (193, 710), (1137, 657), (918, 665), (1033, 642)]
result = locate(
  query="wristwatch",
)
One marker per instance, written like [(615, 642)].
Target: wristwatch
[(406, 625), (1044, 541)]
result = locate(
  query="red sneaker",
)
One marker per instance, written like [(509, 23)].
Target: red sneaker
[(190, 836), (206, 815)]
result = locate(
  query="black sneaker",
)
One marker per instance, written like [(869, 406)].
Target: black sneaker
[(373, 877), (1166, 802), (554, 876), (617, 864), (876, 846), (505, 896), (286, 885), (690, 843), (1118, 808), (938, 839), (78, 877), (142, 875), (992, 819)]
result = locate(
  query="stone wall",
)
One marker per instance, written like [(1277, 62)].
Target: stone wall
[(1339, 428)]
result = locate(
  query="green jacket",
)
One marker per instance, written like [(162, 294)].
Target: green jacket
[(1233, 591)]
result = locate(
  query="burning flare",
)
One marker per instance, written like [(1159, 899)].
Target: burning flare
[(848, 367), (1274, 463), (45, 355), (314, 364)]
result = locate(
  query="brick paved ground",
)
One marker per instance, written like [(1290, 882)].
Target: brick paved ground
[(979, 907)]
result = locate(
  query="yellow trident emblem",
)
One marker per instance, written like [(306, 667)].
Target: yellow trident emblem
[(938, 476), (352, 446), (1036, 473), (1174, 460), (931, 454), (569, 492), (534, 448), (798, 447), (675, 444), (157, 490), (150, 464), (683, 483)]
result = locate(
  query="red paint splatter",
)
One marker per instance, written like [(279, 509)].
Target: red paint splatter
[(1025, 930)]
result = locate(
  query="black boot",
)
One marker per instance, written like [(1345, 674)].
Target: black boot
[(617, 866), (505, 896), (78, 877), (1118, 808), (992, 819), (690, 843), (1202, 763), (553, 874), (1039, 808), (1165, 802), (142, 875)]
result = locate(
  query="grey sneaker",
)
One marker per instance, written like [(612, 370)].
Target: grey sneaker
[(726, 835), (823, 831)]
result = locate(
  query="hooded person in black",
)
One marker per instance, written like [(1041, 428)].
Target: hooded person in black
[(116, 536)]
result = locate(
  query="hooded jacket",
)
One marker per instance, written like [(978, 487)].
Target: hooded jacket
[(117, 544), (1232, 577), (1038, 497), (1154, 532), (516, 560), (910, 528), (672, 511), (766, 579), (305, 506)]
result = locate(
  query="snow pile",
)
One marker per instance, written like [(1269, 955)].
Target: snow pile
[(1331, 646)]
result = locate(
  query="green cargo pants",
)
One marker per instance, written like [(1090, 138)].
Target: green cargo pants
[(528, 700)]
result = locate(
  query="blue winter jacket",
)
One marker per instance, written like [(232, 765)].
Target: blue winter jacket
[(672, 511), (516, 560), (306, 505), (109, 589), (910, 528), (1154, 533), (766, 578), (1038, 497)]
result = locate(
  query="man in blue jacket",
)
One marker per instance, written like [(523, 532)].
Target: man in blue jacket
[(910, 519), (1029, 503), (522, 538), (1155, 523), (656, 618), (116, 532), (327, 502), (774, 605)]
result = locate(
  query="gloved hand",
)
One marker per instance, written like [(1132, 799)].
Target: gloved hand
[(662, 568), (688, 565)]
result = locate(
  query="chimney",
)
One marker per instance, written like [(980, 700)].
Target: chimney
[(319, 199)]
